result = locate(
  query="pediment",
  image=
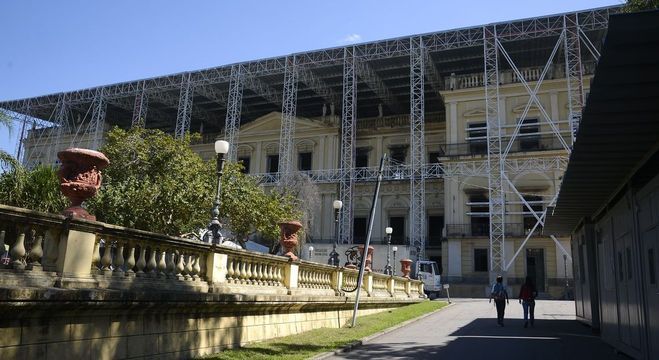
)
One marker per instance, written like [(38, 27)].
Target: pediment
[(520, 109), (271, 122), (478, 112)]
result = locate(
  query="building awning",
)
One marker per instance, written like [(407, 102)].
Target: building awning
[(620, 123)]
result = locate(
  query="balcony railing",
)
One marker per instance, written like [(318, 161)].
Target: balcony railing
[(466, 81), (482, 230), (521, 144)]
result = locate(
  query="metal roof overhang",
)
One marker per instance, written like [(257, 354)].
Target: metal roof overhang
[(529, 42), (619, 129)]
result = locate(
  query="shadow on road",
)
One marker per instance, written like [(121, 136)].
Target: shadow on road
[(484, 339)]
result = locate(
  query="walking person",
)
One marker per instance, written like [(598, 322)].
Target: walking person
[(500, 296), (527, 295)]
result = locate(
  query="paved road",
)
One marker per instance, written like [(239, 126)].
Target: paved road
[(468, 330)]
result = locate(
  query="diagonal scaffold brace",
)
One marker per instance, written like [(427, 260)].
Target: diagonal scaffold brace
[(371, 220)]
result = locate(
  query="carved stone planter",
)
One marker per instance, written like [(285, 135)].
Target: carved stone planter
[(288, 238), (406, 267), (80, 178), (369, 256)]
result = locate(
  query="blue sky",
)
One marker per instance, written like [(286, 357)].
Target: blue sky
[(53, 46)]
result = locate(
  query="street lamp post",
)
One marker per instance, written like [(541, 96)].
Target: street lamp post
[(221, 149), (334, 256), (394, 249), (387, 269)]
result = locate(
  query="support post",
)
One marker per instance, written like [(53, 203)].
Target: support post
[(234, 106), (495, 163), (184, 111), (348, 133), (288, 112), (97, 124), (417, 142), (573, 72), (140, 108)]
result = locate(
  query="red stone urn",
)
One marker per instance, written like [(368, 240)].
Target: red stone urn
[(369, 256), (406, 267), (80, 178), (288, 239)]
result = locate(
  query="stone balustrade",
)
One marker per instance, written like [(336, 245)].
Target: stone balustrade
[(72, 253), (85, 289)]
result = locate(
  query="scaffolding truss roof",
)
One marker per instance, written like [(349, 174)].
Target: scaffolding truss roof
[(459, 51), (620, 126)]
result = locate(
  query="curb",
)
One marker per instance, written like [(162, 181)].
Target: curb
[(356, 344)]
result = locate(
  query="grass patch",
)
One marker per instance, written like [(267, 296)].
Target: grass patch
[(310, 343)]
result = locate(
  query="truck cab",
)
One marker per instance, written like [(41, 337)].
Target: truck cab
[(428, 272)]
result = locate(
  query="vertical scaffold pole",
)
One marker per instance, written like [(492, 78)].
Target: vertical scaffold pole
[(288, 112), (573, 71), (97, 124), (234, 107), (184, 111), (140, 108), (417, 142), (20, 146), (62, 125), (495, 162), (348, 119)]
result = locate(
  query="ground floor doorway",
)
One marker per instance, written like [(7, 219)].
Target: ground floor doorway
[(535, 267)]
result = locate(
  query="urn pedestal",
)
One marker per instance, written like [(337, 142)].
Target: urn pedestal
[(406, 267), (369, 256), (80, 178), (288, 237)]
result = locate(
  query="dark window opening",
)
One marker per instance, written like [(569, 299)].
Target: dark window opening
[(245, 162), (477, 146), (529, 139), (304, 161), (272, 163), (359, 230), (361, 160), (398, 154), (529, 219), (435, 227), (480, 223), (480, 260), (433, 158), (397, 223)]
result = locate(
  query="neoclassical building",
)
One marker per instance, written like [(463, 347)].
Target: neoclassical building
[(477, 123)]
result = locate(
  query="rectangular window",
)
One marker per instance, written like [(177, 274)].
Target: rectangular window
[(245, 162), (477, 138), (652, 267), (361, 160), (529, 219), (397, 223), (435, 226), (433, 158), (480, 260), (272, 163), (480, 218), (359, 230), (529, 139), (304, 161), (398, 155), (438, 260)]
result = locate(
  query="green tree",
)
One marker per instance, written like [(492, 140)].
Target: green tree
[(640, 5), (36, 189), (157, 183)]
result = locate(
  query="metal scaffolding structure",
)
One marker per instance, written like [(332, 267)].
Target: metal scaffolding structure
[(417, 146), (288, 110), (375, 73), (140, 108), (234, 106), (184, 110), (348, 136)]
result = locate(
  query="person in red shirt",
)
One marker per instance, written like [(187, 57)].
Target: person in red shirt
[(527, 295)]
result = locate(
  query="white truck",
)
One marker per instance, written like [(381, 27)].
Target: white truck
[(428, 272)]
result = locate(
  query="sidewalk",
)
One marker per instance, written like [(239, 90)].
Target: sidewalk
[(468, 330)]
